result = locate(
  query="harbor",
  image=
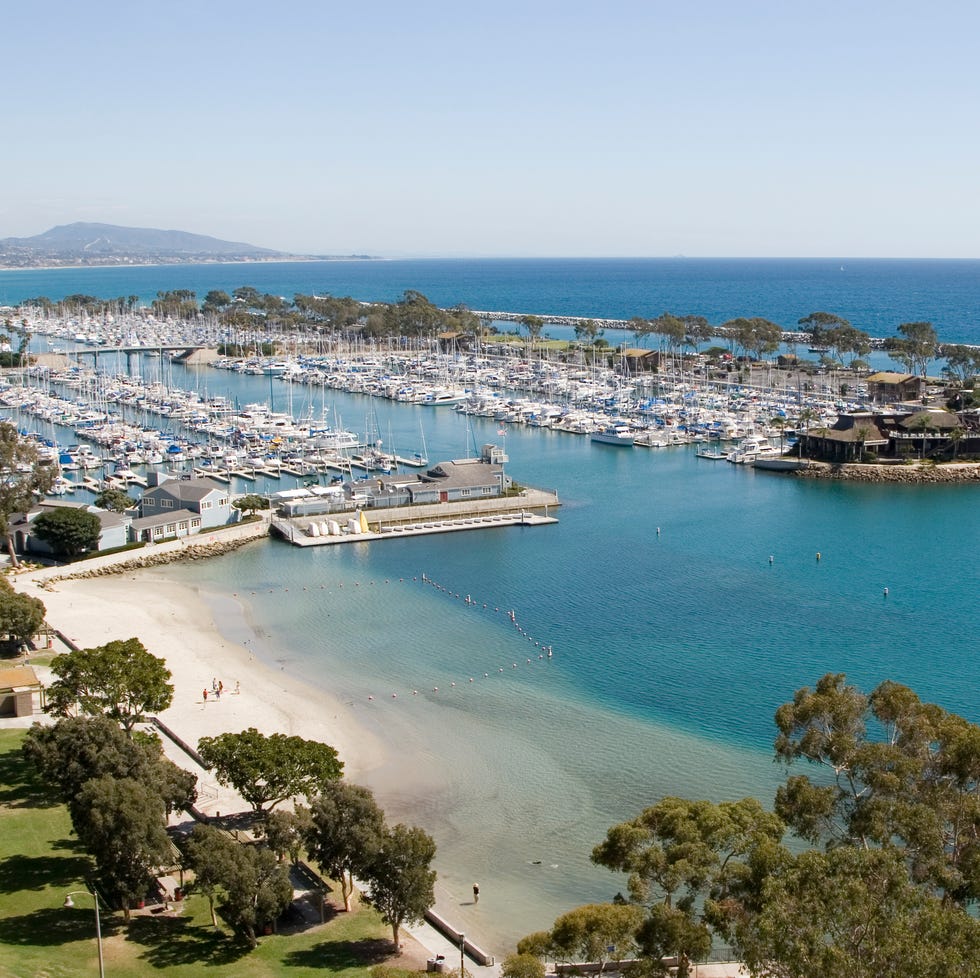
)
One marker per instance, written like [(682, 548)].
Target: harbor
[(646, 628)]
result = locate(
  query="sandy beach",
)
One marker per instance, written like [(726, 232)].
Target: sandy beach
[(176, 624)]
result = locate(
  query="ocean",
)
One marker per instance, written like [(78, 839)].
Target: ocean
[(675, 638), (874, 294)]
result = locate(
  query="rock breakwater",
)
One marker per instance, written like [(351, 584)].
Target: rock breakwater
[(913, 475), (203, 551)]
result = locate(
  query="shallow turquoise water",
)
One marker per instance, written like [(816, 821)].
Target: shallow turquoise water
[(672, 651)]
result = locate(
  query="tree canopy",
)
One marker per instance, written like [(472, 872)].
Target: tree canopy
[(250, 887), (68, 531), (120, 679), (888, 885), (114, 500), (345, 833), (120, 822), (21, 615), (401, 878), (77, 749), (24, 478), (915, 347), (266, 770)]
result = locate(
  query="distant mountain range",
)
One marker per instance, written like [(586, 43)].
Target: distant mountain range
[(108, 244)]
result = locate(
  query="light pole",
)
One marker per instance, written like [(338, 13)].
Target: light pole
[(69, 903), (462, 951)]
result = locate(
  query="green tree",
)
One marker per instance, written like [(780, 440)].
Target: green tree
[(24, 479), (75, 750), (401, 878), (346, 832), (533, 325), (854, 912), (120, 679), (641, 328), (588, 331), (251, 502), (672, 328), (120, 823), (697, 330), (897, 773), (114, 500), (284, 832), (597, 932), (962, 363), (916, 346), (522, 966), (681, 851), (216, 300), (819, 324), (21, 615), (266, 770), (68, 531), (250, 887)]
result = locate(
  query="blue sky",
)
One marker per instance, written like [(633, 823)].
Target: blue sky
[(509, 128)]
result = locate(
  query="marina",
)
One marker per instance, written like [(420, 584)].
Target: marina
[(672, 650)]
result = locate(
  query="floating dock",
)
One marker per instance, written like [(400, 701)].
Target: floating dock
[(297, 531)]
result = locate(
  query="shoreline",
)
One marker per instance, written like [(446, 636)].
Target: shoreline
[(204, 636), (179, 625)]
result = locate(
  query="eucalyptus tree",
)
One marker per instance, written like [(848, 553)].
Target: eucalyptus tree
[(819, 324), (120, 822), (21, 615), (597, 932), (672, 328), (24, 478), (344, 833), (697, 330), (641, 329), (677, 853), (534, 325), (916, 346), (962, 363), (401, 879)]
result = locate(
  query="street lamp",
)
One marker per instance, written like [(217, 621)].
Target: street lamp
[(462, 950), (69, 903)]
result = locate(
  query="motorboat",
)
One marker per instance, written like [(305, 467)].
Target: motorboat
[(614, 434)]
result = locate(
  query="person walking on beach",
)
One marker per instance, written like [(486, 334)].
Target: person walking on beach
[(476, 892), (205, 696)]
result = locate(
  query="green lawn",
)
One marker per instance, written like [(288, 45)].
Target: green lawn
[(40, 862)]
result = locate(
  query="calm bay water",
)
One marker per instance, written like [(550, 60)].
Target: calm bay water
[(672, 649)]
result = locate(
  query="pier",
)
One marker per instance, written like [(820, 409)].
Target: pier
[(297, 532)]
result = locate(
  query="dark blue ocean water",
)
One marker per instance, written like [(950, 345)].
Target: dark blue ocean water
[(875, 295)]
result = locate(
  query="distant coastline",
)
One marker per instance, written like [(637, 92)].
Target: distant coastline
[(48, 264)]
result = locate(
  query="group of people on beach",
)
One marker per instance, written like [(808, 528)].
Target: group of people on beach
[(218, 687)]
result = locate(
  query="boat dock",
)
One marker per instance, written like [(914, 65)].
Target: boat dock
[(298, 531)]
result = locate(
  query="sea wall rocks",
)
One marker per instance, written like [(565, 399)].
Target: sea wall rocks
[(152, 558), (913, 475)]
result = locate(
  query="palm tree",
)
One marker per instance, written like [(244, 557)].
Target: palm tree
[(955, 437)]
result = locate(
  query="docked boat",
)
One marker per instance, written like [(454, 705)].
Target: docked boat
[(751, 448), (614, 434)]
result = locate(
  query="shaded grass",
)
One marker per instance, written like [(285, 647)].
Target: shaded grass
[(40, 862)]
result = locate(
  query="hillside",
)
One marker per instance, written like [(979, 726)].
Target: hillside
[(109, 244)]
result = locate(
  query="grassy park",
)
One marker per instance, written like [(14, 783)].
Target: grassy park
[(41, 862)]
